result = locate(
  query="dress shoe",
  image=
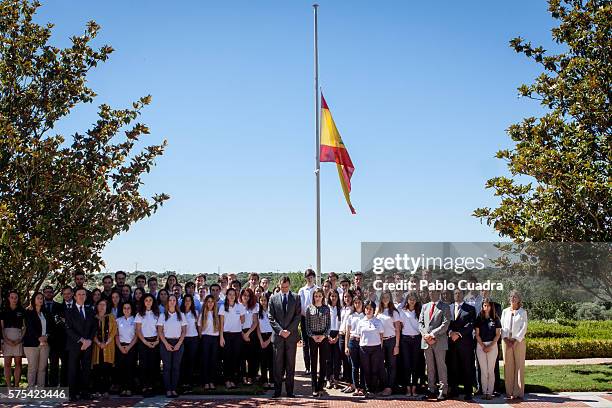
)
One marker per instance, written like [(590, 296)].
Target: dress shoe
[(441, 396)]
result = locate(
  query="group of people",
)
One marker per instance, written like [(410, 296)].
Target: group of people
[(111, 340)]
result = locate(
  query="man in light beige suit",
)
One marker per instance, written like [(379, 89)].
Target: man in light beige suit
[(434, 321)]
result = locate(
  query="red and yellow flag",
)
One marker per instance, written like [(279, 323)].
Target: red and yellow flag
[(334, 150)]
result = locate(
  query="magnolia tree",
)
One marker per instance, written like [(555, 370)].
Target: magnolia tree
[(560, 183), (61, 198)]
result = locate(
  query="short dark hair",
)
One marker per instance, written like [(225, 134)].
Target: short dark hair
[(236, 281), (284, 279), (48, 287), (369, 303), (67, 287), (152, 279), (345, 279), (107, 277), (309, 272), (140, 277), (358, 273), (79, 289), (214, 284), (120, 273), (332, 275), (79, 273), (253, 274), (189, 284)]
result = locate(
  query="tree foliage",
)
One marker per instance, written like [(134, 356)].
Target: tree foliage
[(61, 198), (560, 187)]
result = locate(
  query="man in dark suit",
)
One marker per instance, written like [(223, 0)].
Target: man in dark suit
[(80, 331), (433, 324), (460, 357), (284, 313), (57, 338)]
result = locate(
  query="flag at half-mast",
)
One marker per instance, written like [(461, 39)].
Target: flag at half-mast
[(334, 150)]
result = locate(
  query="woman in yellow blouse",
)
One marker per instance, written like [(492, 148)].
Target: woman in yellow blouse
[(103, 358)]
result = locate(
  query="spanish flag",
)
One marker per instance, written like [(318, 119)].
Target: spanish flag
[(334, 150)]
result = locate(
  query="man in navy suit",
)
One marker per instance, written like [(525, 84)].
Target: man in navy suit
[(460, 356), (80, 330)]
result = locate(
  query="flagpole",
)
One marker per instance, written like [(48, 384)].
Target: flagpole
[(318, 139)]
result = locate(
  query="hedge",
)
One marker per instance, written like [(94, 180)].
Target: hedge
[(570, 329), (538, 349)]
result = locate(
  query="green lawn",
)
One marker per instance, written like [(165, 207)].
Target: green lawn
[(593, 377)]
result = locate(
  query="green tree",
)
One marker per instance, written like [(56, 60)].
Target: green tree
[(560, 187), (61, 199)]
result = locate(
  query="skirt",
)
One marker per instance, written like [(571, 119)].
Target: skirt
[(15, 334)]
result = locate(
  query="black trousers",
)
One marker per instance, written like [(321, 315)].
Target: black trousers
[(58, 374), (188, 363), (390, 362), (231, 355), (334, 361), (148, 359), (410, 352), (319, 355), (210, 358), (372, 365), (347, 373), (102, 373), (305, 343), (267, 361), (284, 363), (125, 365), (460, 362), (249, 360), (79, 370)]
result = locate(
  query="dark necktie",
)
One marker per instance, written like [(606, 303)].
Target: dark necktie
[(285, 303), (49, 306), (82, 311)]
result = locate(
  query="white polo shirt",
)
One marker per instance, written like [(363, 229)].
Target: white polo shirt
[(305, 294), (334, 322), (192, 330), (209, 330), (248, 316), (172, 326), (345, 312), (369, 331), (126, 328), (264, 324), (388, 322), (149, 323), (351, 324), (231, 318), (410, 322)]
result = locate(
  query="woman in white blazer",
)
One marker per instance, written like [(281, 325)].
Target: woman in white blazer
[(514, 328)]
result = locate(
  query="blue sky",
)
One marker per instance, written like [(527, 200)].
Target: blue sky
[(421, 92)]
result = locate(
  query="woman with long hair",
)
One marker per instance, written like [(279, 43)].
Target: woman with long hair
[(209, 327), (232, 316), (171, 280), (334, 361), (488, 330), (137, 294), (38, 325), (345, 312), (148, 350), (115, 304), (264, 334), (162, 299), (171, 330), (410, 343), (13, 328), (370, 332), (96, 295), (103, 355), (125, 341), (250, 349), (351, 348), (188, 309), (317, 329), (388, 314), (514, 329)]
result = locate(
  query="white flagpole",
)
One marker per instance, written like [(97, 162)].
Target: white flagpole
[(318, 140)]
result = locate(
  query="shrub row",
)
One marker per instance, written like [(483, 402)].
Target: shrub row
[(538, 349), (570, 329)]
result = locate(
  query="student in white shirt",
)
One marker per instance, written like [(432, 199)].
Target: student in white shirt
[(148, 350), (370, 331), (514, 329), (347, 309), (305, 294), (232, 316), (351, 348), (249, 361), (334, 362), (209, 327), (264, 334), (410, 344), (171, 329), (188, 366), (126, 351), (388, 314)]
